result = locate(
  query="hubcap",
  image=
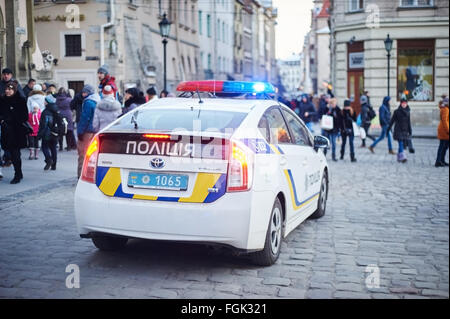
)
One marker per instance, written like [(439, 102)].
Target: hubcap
[(323, 199), (275, 230)]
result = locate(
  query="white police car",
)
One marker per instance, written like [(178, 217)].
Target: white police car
[(242, 172)]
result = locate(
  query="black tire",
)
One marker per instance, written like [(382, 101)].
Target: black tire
[(109, 243), (274, 237), (322, 204)]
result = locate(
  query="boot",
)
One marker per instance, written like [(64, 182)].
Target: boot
[(36, 151), (15, 180), (371, 149), (401, 158), (48, 164), (334, 158), (31, 154), (392, 152), (353, 158), (53, 166)]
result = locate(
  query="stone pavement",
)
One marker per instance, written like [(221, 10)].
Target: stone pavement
[(394, 216)]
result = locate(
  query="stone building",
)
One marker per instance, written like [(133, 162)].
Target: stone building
[(19, 49), (238, 63), (291, 70), (124, 35), (419, 58)]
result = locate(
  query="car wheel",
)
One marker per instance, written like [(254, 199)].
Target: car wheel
[(274, 237), (109, 243), (322, 198)]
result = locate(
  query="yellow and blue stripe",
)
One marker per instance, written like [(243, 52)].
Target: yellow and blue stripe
[(110, 183)]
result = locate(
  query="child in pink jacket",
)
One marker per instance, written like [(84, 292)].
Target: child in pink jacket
[(33, 142)]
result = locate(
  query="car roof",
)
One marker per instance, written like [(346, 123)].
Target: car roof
[(219, 104)]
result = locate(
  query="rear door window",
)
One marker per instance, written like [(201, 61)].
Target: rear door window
[(279, 133), (298, 130)]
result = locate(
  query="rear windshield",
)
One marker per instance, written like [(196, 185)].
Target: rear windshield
[(161, 119)]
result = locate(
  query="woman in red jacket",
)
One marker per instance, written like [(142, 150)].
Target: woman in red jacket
[(443, 133)]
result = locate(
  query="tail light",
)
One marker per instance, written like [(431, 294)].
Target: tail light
[(90, 162), (240, 169)]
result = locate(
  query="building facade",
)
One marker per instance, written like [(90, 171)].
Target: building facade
[(290, 71), (419, 57), (125, 36)]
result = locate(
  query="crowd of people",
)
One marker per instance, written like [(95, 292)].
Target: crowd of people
[(41, 116), (346, 124)]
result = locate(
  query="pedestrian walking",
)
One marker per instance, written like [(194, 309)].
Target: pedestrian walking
[(385, 119), (85, 130), (34, 118), (151, 94), (76, 105), (402, 130), (7, 77), (332, 134), (132, 100), (13, 114), (348, 118), (307, 111), (106, 79), (29, 87), (107, 110), (367, 115), (36, 96), (50, 128), (63, 100), (443, 133)]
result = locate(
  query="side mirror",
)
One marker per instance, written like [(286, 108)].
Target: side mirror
[(321, 142)]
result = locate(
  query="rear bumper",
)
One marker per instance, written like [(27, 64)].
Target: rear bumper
[(236, 219)]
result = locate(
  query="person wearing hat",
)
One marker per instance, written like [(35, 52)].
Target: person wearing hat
[(107, 110), (443, 133), (385, 118), (151, 94), (348, 117), (85, 129), (37, 96), (50, 128), (7, 76), (13, 115), (366, 120), (63, 100), (402, 130), (106, 79)]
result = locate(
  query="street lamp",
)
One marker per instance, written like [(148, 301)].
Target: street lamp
[(388, 46), (164, 29)]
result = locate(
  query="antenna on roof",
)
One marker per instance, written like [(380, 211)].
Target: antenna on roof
[(200, 98)]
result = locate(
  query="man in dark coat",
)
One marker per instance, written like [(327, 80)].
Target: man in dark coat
[(29, 87), (402, 130), (7, 77), (366, 121), (385, 119), (307, 111), (77, 104), (13, 113)]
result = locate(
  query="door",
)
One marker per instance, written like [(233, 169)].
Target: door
[(77, 86), (355, 88)]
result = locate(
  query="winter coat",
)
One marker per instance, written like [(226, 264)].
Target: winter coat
[(63, 104), (307, 107), (107, 110), (336, 113), (13, 113), (27, 91), (87, 114), (402, 121), (347, 122), (108, 80), (77, 105), (51, 120), (385, 112), (133, 103), (365, 121), (34, 119), (36, 97), (323, 108), (443, 124), (19, 87)]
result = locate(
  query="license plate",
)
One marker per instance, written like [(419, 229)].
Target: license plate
[(158, 181)]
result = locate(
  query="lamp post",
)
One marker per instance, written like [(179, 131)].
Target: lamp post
[(164, 29), (388, 46)]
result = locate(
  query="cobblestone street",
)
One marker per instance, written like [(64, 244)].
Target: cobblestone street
[(382, 213)]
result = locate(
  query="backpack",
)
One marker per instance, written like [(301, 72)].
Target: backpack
[(371, 114), (59, 127)]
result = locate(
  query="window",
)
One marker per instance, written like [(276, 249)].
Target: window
[(279, 134), (299, 132), (263, 127), (208, 25), (209, 61), (200, 22), (73, 45), (416, 3), (416, 69), (356, 5)]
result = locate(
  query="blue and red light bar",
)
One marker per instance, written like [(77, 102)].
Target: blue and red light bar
[(234, 87)]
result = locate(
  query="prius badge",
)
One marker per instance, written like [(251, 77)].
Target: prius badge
[(157, 163)]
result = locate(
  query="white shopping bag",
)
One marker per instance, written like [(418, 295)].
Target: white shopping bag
[(327, 122), (355, 129), (362, 133)]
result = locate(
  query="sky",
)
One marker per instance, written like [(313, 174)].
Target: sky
[(294, 22)]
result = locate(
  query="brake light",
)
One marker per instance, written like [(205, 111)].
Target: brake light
[(157, 136), (90, 162), (239, 169)]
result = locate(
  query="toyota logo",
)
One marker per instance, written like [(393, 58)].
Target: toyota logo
[(157, 163)]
